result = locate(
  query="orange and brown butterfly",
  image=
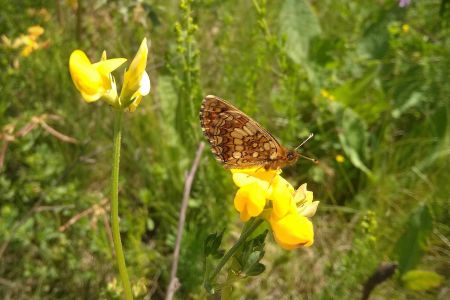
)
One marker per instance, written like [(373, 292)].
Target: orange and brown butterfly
[(238, 141)]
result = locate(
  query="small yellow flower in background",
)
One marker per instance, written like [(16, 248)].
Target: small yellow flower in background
[(267, 194), (28, 42), (340, 158), (35, 31), (136, 82), (327, 95), (405, 28), (41, 13), (94, 80)]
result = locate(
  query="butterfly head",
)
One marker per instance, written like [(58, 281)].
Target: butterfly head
[(292, 156)]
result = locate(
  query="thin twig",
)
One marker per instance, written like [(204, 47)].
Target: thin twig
[(174, 283), (80, 215), (57, 134), (8, 135)]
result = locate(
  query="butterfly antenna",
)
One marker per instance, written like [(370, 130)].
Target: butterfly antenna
[(316, 161), (304, 142), (311, 135)]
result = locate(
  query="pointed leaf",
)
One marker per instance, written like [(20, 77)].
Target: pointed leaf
[(412, 243), (419, 280), (299, 23)]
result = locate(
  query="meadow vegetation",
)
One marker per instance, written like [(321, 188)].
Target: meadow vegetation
[(369, 78)]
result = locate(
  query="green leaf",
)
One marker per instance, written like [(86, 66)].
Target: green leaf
[(363, 95), (253, 258), (299, 23), (414, 100), (420, 280), (375, 37), (410, 246), (212, 244), (352, 136), (256, 269), (351, 92)]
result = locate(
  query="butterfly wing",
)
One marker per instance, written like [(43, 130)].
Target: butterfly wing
[(237, 141)]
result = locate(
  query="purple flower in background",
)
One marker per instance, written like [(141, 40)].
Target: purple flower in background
[(404, 3)]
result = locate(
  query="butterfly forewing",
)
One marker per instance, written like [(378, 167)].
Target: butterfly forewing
[(237, 141)]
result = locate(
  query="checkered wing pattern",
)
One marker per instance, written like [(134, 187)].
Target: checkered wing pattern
[(237, 141)]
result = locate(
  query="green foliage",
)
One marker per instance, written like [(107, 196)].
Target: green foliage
[(370, 79), (347, 271), (412, 243), (300, 24), (419, 280), (249, 257)]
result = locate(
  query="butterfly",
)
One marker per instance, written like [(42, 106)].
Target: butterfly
[(239, 142)]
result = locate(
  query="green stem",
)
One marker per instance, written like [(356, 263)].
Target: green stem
[(118, 117), (246, 232)]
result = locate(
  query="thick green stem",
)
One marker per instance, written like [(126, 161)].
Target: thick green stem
[(118, 117), (246, 232)]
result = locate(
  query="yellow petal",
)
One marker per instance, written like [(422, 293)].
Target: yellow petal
[(135, 103), (85, 76), (282, 196), (105, 67), (133, 76), (292, 231), (244, 216), (250, 201), (259, 172), (94, 80), (144, 90), (103, 57), (243, 179), (35, 30)]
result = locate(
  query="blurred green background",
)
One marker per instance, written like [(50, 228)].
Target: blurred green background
[(369, 78)]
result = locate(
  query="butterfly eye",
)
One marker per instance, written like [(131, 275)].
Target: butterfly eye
[(290, 155)]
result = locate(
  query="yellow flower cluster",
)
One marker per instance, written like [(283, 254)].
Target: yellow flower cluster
[(94, 80), (267, 194), (27, 42), (327, 95)]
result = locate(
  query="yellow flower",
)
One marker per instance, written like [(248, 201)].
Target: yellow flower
[(282, 196), (274, 187), (289, 210), (292, 231), (136, 81), (340, 158), (405, 28), (35, 31), (29, 43), (250, 201), (326, 94), (94, 81), (263, 177)]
